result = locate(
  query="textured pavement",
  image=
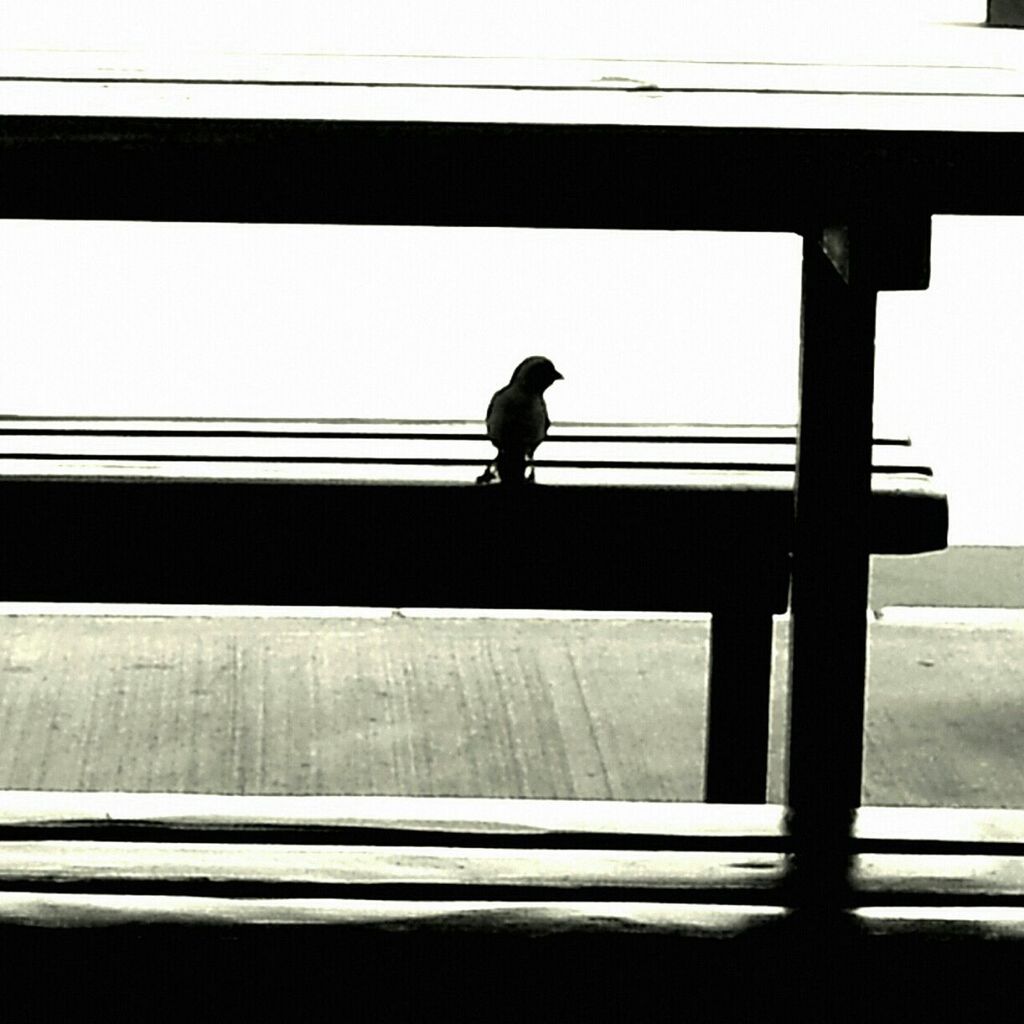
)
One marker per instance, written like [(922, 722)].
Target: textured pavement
[(585, 709)]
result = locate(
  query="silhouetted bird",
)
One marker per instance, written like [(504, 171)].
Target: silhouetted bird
[(517, 420)]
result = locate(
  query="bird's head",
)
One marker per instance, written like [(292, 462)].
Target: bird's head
[(536, 373)]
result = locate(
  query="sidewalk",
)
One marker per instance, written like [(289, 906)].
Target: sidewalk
[(586, 709)]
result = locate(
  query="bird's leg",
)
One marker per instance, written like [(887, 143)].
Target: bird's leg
[(487, 475), (529, 475)]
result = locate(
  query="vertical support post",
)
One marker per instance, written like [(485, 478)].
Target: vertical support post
[(828, 653), (739, 687)]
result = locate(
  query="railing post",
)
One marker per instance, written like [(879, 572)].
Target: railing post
[(844, 268), (828, 652)]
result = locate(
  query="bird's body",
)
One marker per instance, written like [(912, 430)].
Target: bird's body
[(517, 419)]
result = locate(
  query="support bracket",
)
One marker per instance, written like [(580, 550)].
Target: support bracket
[(1005, 13), (894, 256)]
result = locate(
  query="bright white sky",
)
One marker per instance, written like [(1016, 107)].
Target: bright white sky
[(256, 320)]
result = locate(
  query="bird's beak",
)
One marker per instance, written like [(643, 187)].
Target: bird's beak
[(558, 376)]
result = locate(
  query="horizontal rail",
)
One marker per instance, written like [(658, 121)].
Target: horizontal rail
[(787, 102), (87, 910), (371, 872), (488, 821), (80, 910), (814, 60), (469, 431), (281, 870), (484, 815), (662, 456), (368, 460)]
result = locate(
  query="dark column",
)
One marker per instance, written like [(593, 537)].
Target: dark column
[(739, 684), (830, 573)]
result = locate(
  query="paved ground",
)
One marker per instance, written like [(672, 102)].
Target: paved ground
[(468, 707), (978, 577)]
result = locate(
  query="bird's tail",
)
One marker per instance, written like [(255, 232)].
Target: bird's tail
[(511, 466)]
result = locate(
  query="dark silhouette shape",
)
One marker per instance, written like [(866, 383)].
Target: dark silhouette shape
[(517, 421)]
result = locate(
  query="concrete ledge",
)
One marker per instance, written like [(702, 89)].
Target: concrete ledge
[(959, 577)]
